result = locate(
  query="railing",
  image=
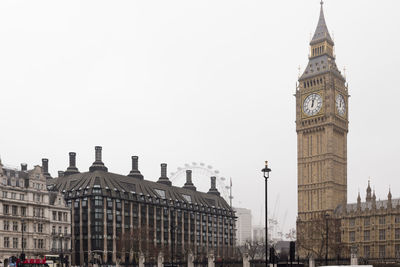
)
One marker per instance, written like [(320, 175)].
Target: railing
[(55, 234), (59, 250)]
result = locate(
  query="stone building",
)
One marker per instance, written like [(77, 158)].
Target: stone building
[(124, 218), (326, 224), (371, 228), (26, 208), (322, 126)]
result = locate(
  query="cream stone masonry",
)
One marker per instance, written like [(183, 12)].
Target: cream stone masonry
[(321, 136), (27, 212)]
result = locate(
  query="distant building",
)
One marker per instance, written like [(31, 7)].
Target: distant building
[(243, 226), (259, 233), (28, 211)]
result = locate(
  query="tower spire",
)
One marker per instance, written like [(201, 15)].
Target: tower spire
[(321, 32)]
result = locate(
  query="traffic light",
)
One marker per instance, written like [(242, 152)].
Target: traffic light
[(22, 257)]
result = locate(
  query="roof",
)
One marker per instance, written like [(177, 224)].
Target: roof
[(352, 207), (320, 65), (121, 186), (321, 32)]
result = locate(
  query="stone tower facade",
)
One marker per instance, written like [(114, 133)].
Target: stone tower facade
[(322, 127)]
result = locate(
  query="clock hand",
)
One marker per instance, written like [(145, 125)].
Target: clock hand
[(312, 103)]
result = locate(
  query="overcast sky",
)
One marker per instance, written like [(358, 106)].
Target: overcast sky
[(203, 81)]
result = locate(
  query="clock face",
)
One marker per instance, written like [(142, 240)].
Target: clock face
[(312, 104), (340, 105)]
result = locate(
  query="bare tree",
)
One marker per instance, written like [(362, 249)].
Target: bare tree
[(311, 237)]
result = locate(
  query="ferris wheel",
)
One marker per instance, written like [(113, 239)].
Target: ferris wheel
[(201, 174)]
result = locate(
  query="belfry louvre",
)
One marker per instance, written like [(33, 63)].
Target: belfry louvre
[(120, 218)]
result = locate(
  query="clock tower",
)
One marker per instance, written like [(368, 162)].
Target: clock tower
[(322, 126)]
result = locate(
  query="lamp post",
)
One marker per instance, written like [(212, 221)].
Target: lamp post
[(266, 172), (61, 253), (326, 241), (22, 257)]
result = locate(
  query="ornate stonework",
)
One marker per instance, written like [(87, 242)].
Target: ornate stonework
[(322, 126)]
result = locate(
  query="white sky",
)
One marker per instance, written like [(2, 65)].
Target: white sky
[(183, 81)]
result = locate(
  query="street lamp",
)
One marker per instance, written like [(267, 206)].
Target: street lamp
[(22, 240), (326, 241), (61, 254), (266, 172)]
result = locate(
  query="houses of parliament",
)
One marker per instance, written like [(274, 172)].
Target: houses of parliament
[(326, 223)]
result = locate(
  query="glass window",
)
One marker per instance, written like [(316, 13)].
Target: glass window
[(23, 211), (6, 242), (366, 235), (397, 250), (382, 220), (187, 198), (160, 192), (6, 209), (397, 233), (15, 226), (366, 251), (366, 221), (382, 234), (6, 225), (14, 210), (382, 251), (352, 222)]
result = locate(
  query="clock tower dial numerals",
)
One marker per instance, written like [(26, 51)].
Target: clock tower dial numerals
[(312, 104), (340, 105)]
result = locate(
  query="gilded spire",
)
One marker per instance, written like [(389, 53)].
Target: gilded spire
[(321, 32)]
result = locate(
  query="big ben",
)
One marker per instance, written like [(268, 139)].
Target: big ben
[(322, 127)]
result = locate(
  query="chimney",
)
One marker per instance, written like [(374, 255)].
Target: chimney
[(213, 189), (164, 178), (45, 168), (72, 169), (135, 169), (24, 167), (60, 173), (98, 164), (189, 184)]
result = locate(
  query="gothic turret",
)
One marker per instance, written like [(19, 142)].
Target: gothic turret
[(368, 197), (389, 204), (373, 200), (359, 202)]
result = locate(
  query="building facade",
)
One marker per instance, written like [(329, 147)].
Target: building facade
[(124, 218), (243, 226), (26, 208), (371, 228)]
